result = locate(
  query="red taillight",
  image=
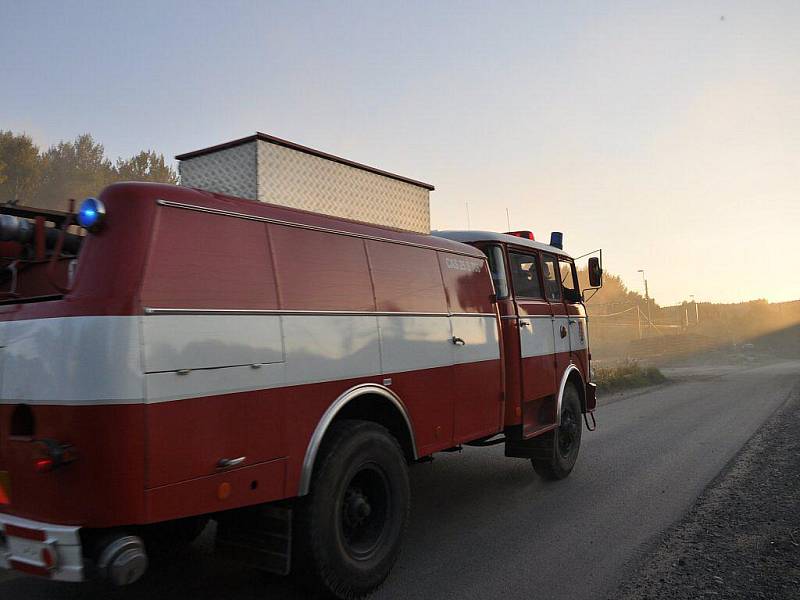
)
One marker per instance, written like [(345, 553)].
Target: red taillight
[(51, 455), (48, 557), (44, 464)]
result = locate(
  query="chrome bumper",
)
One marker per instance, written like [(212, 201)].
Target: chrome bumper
[(22, 543)]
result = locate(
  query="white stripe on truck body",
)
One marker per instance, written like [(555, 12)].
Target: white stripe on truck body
[(163, 357)]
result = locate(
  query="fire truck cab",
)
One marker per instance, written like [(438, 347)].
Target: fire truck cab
[(178, 355), (544, 333)]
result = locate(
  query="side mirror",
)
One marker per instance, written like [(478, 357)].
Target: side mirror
[(595, 272)]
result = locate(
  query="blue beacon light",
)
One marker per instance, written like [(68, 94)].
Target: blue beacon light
[(91, 214)]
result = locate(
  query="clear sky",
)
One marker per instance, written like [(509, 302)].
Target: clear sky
[(666, 133)]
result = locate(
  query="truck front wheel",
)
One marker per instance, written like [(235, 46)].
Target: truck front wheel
[(349, 528), (563, 443)]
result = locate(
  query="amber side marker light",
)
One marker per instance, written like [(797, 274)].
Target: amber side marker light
[(224, 490)]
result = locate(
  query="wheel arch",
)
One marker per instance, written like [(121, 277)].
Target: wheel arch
[(572, 374), (368, 402)]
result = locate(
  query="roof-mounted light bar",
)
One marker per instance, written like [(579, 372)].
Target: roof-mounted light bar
[(528, 235)]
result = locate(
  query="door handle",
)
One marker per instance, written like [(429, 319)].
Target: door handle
[(563, 331), (458, 341), (229, 463), (523, 323)]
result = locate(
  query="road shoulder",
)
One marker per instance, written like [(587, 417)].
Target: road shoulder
[(742, 537)]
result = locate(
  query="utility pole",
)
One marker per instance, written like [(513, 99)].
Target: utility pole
[(696, 310), (647, 297), (508, 220)]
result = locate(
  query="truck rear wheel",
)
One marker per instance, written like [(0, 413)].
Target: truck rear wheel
[(563, 443), (350, 526)]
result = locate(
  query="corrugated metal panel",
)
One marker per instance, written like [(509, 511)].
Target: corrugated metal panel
[(288, 176), (300, 180), (230, 171)]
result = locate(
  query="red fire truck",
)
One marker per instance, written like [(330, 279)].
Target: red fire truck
[(171, 355)]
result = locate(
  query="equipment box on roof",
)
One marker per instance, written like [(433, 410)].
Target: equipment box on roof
[(268, 169)]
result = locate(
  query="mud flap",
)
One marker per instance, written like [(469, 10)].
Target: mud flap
[(590, 401), (586, 416), (259, 537), (540, 446)]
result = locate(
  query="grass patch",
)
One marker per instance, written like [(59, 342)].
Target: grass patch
[(626, 376)]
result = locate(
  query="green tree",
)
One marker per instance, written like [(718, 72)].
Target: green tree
[(19, 168), (145, 166), (73, 170)]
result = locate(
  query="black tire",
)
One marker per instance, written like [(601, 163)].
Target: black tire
[(562, 444), (350, 527)]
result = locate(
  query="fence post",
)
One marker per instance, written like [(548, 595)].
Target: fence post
[(639, 321)]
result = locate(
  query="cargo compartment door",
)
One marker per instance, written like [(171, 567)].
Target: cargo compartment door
[(211, 349), (204, 375)]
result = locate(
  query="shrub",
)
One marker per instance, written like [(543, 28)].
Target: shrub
[(626, 375)]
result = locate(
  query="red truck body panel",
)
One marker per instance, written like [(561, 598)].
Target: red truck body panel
[(142, 368)]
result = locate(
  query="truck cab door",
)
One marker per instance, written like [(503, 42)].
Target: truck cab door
[(535, 323), (576, 313), (510, 413), (551, 278)]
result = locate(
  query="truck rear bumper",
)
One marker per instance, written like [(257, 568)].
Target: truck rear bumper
[(41, 549)]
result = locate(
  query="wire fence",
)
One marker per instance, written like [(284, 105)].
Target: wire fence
[(635, 322)]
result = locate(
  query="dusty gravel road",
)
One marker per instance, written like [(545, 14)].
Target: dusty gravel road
[(484, 526)]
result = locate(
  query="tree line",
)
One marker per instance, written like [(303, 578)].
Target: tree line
[(76, 169)]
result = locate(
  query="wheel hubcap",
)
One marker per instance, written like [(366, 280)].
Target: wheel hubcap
[(365, 509), (567, 432), (356, 507)]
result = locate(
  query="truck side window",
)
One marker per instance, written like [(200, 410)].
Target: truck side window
[(551, 277), (524, 274), (569, 283), (494, 255)]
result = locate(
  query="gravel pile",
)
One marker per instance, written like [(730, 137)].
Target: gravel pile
[(742, 537)]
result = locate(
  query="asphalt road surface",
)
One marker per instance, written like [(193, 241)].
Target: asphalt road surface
[(484, 526)]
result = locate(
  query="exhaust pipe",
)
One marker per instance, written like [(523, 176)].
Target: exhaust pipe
[(123, 561)]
